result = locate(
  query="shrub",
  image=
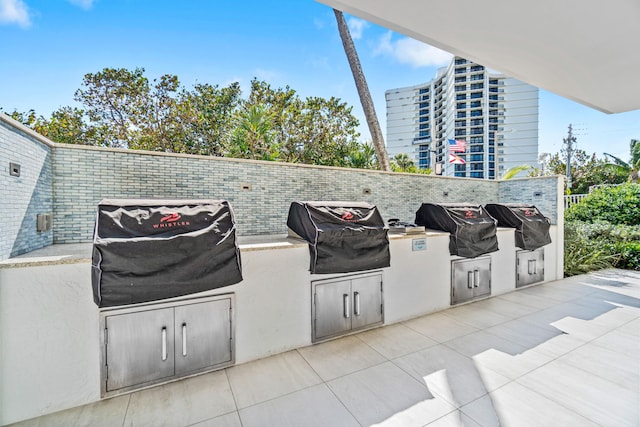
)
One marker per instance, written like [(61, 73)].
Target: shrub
[(617, 205), (598, 245), (584, 252), (629, 255)]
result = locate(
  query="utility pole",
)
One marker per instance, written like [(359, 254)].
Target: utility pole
[(569, 140)]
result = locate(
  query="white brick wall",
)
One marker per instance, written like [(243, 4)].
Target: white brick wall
[(70, 180), (25, 196)]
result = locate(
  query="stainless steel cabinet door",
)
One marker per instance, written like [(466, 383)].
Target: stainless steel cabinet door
[(529, 267), (470, 279), (482, 272), (202, 335), (139, 347), (332, 308), (366, 294), (462, 281)]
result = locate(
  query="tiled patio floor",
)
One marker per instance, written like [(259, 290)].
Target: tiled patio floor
[(565, 353)]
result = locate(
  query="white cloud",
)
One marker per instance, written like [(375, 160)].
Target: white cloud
[(356, 27), (85, 4), (412, 52), (14, 12)]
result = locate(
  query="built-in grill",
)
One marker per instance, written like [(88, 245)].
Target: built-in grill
[(472, 233), (532, 228), (472, 230), (148, 250), (343, 237), (531, 234)]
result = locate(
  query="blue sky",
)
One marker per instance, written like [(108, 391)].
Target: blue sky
[(48, 45)]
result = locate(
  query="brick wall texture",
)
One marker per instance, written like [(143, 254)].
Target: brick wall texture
[(23, 197), (259, 192)]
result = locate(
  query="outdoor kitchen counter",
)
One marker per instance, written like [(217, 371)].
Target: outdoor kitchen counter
[(50, 327), (73, 253)]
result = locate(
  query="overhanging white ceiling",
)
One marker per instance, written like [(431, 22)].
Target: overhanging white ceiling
[(584, 50)]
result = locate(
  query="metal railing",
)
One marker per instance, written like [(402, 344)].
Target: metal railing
[(573, 198)]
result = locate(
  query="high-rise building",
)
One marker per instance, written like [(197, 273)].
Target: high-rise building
[(496, 115)]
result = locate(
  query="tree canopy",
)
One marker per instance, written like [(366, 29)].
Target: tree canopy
[(586, 170), (125, 109)]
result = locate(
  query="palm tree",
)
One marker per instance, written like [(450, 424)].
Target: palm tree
[(404, 163), (363, 91), (253, 138), (512, 172), (633, 166)]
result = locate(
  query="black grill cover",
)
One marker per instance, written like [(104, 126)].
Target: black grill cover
[(473, 230), (532, 228), (343, 236), (146, 250)]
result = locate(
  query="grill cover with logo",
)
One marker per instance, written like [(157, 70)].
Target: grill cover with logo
[(343, 236), (147, 250), (472, 230), (532, 228)]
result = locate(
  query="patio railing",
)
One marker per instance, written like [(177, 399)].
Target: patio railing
[(573, 198)]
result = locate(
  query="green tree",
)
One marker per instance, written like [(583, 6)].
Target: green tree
[(123, 108), (364, 157), (632, 167), (66, 125), (586, 170), (314, 130), (207, 116), (402, 163), (114, 100), (253, 138)]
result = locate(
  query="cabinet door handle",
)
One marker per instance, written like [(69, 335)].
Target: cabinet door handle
[(164, 343), (470, 279), (356, 303), (184, 339), (476, 278), (345, 306), (532, 266)]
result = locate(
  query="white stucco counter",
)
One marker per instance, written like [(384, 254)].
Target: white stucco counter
[(49, 324)]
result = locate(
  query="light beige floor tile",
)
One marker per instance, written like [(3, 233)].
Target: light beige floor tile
[(601, 401), (621, 341), (384, 395), (586, 330), (455, 419), (450, 374), (228, 420), (497, 354), (265, 379), (182, 403), (528, 299), (608, 364), (439, 327), (476, 316), (313, 406), (565, 290), (632, 328), (515, 405), (396, 340), (509, 309), (547, 340), (340, 357), (110, 412)]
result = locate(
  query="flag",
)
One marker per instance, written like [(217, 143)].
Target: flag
[(456, 160), (457, 146)]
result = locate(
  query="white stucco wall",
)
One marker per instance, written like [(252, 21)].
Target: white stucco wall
[(49, 325)]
